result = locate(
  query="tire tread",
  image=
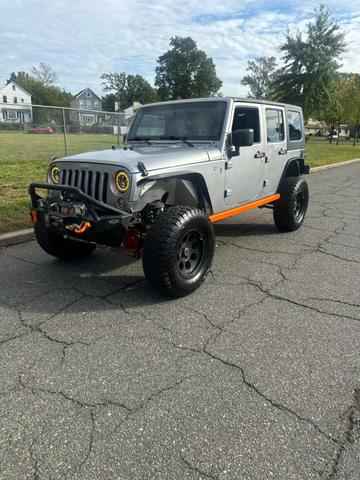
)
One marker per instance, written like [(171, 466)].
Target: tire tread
[(283, 217), (160, 243)]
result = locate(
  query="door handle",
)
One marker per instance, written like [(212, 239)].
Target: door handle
[(282, 151), (259, 154)]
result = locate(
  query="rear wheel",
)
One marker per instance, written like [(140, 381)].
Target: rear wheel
[(290, 210), (178, 251), (56, 245)]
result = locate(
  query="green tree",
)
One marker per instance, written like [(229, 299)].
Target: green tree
[(344, 103), (334, 112), (108, 102), (351, 104), (184, 71), (44, 73), (128, 89), (310, 64), (260, 77), (42, 94)]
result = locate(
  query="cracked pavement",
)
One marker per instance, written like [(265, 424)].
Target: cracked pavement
[(254, 376)]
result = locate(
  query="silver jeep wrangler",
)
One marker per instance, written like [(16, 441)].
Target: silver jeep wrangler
[(187, 165)]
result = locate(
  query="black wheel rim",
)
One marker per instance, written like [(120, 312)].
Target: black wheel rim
[(300, 207), (190, 253)]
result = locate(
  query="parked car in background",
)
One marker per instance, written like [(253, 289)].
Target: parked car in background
[(41, 130)]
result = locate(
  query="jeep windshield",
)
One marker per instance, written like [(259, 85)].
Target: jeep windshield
[(179, 121)]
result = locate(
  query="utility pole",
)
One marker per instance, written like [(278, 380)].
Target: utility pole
[(117, 109), (64, 127)]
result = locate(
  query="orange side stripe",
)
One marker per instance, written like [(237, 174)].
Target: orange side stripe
[(233, 212)]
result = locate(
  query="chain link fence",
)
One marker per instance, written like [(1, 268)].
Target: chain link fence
[(46, 131), (32, 135)]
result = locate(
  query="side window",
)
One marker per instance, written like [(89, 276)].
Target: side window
[(295, 125), (275, 125), (247, 117)]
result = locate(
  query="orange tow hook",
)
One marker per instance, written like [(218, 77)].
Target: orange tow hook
[(82, 228), (34, 216)]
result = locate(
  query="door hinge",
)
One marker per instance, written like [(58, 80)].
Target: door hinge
[(228, 165), (228, 193)]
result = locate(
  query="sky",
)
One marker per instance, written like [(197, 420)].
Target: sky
[(81, 39)]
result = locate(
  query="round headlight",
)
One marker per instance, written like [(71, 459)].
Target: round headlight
[(122, 181), (55, 174)]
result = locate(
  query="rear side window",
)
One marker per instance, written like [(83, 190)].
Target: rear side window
[(247, 117), (295, 125), (275, 125)]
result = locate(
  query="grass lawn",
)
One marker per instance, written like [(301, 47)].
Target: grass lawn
[(321, 152), (24, 158)]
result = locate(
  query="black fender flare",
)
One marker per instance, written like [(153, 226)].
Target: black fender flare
[(194, 177), (295, 167)]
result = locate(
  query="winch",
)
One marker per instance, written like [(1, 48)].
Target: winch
[(66, 209)]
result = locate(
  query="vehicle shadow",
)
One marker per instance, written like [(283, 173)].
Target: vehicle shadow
[(244, 229), (106, 277), (109, 276)]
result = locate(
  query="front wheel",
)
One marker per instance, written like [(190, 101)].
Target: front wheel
[(178, 251), (290, 210), (56, 245)]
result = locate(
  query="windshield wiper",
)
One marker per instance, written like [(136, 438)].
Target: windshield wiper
[(180, 139), (140, 139)]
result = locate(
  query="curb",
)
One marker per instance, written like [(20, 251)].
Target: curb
[(334, 165), (14, 238), (22, 236)]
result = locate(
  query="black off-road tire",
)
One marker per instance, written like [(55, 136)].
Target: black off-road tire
[(290, 210), (54, 244), (178, 251)]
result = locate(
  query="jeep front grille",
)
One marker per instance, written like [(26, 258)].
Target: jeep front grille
[(94, 184)]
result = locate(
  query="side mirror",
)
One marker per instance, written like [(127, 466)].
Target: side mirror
[(243, 138)]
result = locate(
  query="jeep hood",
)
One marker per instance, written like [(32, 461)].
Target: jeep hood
[(153, 157)]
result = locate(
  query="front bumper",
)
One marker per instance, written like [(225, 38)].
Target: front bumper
[(75, 214)]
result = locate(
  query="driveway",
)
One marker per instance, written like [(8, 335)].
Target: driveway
[(254, 376)]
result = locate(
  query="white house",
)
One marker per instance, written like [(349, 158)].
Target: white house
[(344, 131), (315, 127), (15, 104), (85, 100)]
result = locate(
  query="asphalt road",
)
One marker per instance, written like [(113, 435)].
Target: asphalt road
[(255, 376)]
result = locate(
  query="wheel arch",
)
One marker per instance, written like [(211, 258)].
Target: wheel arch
[(295, 167), (184, 186)]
